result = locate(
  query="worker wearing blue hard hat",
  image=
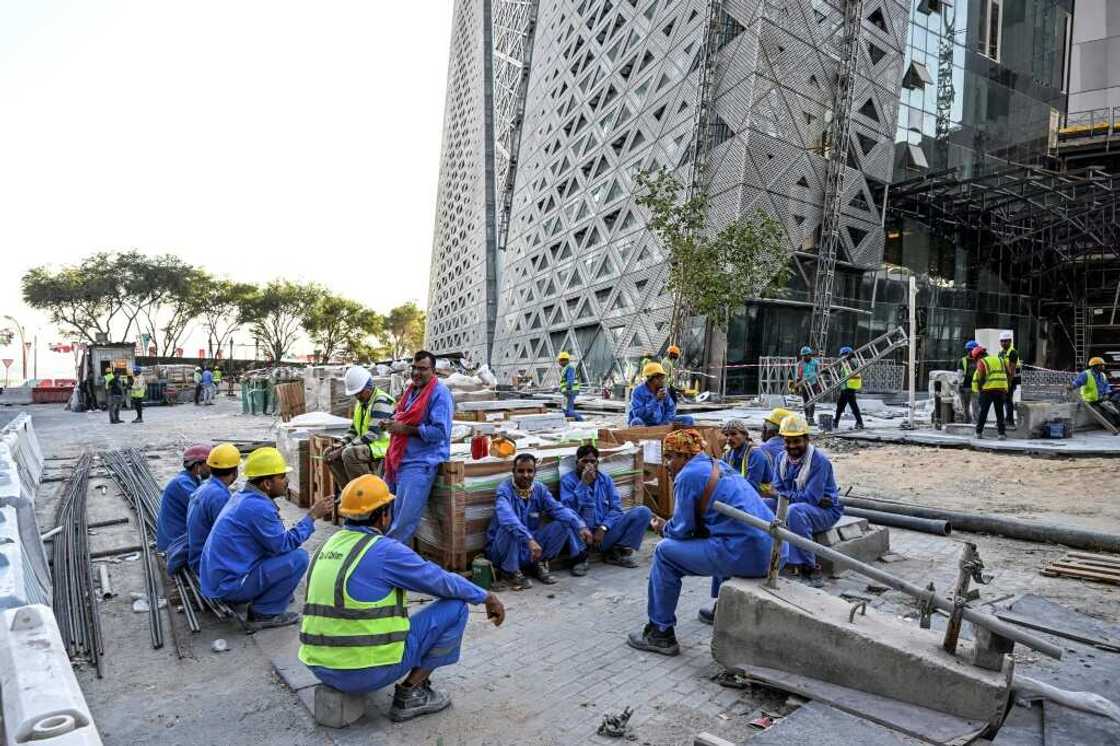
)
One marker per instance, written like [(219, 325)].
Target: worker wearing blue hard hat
[(853, 382), (967, 369), (808, 367)]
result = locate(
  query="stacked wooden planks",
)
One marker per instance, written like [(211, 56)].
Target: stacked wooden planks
[(1101, 568)]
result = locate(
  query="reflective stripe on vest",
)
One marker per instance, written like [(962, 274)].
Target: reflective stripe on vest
[(338, 631), (362, 411), (1089, 392), (996, 377), (564, 379)]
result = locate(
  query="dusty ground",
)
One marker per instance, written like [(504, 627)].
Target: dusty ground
[(561, 661)]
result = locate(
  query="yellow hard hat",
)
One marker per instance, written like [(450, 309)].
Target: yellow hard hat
[(563, 356), (793, 426), (224, 456), (363, 495), (652, 369), (1095, 361), (264, 462), (777, 415), (673, 349)]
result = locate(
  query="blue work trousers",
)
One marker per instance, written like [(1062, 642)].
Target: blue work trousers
[(806, 519), (434, 637), (511, 553), (269, 586), (680, 419), (715, 557), (412, 487), (628, 530), (177, 554), (570, 406)]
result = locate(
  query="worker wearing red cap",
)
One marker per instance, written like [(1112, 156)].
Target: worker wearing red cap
[(172, 523)]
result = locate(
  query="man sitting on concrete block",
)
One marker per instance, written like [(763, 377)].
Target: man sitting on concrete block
[(804, 476), (362, 450), (591, 494), (518, 537), (651, 404), (356, 635), (698, 540), (249, 556)]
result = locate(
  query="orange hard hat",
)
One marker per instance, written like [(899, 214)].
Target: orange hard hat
[(363, 495)]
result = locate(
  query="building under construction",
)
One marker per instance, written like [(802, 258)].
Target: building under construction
[(890, 138)]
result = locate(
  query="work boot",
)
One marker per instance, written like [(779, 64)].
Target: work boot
[(413, 701), (708, 616), (517, 582), (813, 576), (655, 640), (580, 565), (285, 619), (621, 556), (859, 426), (543, 574), (1001, 436), (979, 436)]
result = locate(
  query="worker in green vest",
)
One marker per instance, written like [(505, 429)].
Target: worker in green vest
[(569, 385), (362, 450), (138, 388), (356, 634), (115, 384), (217, 380), (1010, 357), (991, 383), (967, 369), (853, 382), (1096, 392)]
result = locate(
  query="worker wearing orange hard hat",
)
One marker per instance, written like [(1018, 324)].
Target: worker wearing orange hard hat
[(356, 635)]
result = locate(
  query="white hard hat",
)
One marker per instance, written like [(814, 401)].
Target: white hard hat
[(357, 378), (1005, 334)]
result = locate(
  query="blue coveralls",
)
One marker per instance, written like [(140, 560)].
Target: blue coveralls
[(516, 521), (206, 504), (805, 516), (773, 449), (422, 457), (758, 471), (569, 389), (251, 558), (172, 522), (598, 504), (647, 410), (732, 548), (435, 632)]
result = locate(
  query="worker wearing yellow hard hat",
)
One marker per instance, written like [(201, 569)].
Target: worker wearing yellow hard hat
[(651, 404), (1096, 392), (772, 444), (208, 500), (249, 556), (356, 589), (804, 476), (569, 385)]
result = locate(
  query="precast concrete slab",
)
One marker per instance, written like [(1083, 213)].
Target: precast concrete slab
[(803, 630), (856, 538)]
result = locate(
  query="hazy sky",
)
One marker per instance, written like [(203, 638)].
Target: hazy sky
[(256, 139)]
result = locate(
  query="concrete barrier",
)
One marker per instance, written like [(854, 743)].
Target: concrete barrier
[(24, 571), (42, 702)]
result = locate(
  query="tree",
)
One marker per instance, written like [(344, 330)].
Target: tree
[(223, 309), (167, 294), (337, 324), (709, 274), (404, 330), (86, 300), (274, 314)]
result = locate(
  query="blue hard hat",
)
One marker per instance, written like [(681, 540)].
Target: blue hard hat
[(970, 344), (135, 368), (806, 350), (846, 350)]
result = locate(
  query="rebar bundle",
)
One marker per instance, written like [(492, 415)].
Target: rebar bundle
[(75, 606)]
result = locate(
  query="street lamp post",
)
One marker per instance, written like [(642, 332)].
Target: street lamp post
[(23, 344)]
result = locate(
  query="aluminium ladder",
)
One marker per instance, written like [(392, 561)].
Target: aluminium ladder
[(832, 376)]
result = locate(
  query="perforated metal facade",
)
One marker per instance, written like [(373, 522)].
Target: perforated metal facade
[(613, 90)]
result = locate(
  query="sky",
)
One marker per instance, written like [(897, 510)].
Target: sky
[(254, 139)]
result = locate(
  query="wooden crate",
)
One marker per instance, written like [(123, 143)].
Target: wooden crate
[(290, 400), (453, 527), (321, 480)]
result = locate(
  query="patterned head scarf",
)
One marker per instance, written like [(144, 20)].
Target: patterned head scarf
[(735, 425), (689, 442)]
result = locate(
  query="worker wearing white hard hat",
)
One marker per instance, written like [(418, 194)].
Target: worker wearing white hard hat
[(363, 448), (1010, 357)]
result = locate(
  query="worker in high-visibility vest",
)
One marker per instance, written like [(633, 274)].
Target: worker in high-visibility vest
[(362, 450), (138, 389), (967, 368), (1095, 390), (1010, 357), (991, 383), (357, 635), (853, 382), (569, 385), (115, 384)]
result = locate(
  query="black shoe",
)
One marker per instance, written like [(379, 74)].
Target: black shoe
[(707, 616), (655, 641), (621, 557), (135, 421), (859, 426), (285, 619), (1001, 436), (519, 582), (580, 566), (542, 573), (813, 576), (413, 701), (979, 436)]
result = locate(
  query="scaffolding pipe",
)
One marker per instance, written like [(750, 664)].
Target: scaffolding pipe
[(925, 525), (927, 597)]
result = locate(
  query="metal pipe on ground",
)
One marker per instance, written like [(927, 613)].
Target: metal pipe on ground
[(984, 523), (925, 525), (929, 597)]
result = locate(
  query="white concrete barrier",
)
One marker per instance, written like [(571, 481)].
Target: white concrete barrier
[(42, 702), (24, 572), (13, 589)]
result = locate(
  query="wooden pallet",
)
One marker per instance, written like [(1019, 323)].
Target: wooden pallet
[(321, 480), (1101, 568), (495, 415)]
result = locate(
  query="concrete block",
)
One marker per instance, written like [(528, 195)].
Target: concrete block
[(869, 547), (707, 739), (852, 525), (802, 630), (335, 709), (989, 650)]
